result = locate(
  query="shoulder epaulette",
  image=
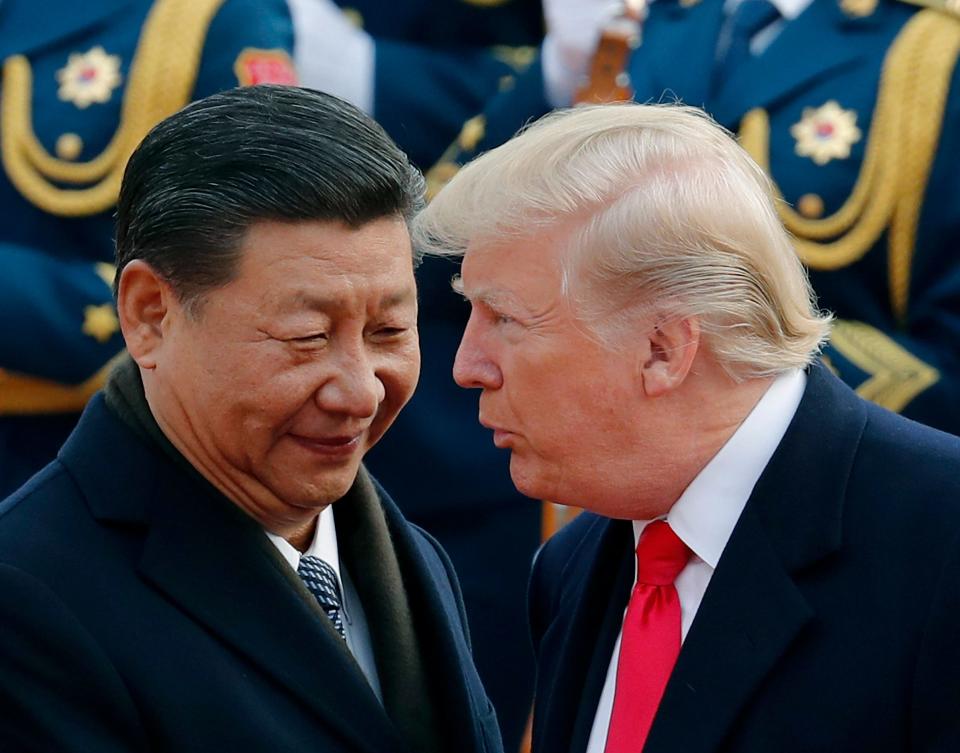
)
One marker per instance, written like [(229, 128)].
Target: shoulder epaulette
[(946, 6), (160, 81)]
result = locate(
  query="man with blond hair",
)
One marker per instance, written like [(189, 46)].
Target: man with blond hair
[(767, 562)]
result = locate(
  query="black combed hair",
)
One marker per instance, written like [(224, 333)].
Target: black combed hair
[(204, 175)]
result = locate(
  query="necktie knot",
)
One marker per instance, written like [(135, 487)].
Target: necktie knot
[(751, 16), (661, 555), (321, 580)]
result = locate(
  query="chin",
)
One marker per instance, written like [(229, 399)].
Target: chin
[(527, 485), (315, 493)]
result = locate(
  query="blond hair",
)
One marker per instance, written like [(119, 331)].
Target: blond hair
[(669, 214)]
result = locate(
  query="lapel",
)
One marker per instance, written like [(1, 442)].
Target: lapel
[(753, 609), (367, 546), (215, 564), (821, 42), (437, 614), (580, 639), (26, 25), (677, 53)]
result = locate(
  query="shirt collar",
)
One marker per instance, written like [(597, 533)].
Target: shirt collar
[(324, 544), (705, 514), (788, 9)]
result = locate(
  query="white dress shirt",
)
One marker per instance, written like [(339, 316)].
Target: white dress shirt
[(705, 514), (355, 628)]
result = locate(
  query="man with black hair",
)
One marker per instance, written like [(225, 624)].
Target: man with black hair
[(178, 578), (83, 82)]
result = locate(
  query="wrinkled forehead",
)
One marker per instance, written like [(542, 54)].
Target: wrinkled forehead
[(511, 270), (320, 264), (541, 245)]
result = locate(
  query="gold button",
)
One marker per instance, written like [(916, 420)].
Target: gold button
[(810, 206), (858, 8), (472, 133), (69, 146)]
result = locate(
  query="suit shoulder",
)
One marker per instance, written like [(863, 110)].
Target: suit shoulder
[(905, 444), (45, 513), (53, 481), (906, 480)]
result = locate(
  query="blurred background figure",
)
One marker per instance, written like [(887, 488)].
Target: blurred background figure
[(83, 82), (421, 68), (852, 106)]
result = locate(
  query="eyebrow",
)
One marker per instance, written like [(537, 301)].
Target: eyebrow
[(313, 302), (492, 298)]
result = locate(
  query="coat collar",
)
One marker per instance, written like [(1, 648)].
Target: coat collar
[(22, 31), (216, 565)]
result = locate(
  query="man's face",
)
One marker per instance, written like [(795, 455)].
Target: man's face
[(562, 403), (287, 375)]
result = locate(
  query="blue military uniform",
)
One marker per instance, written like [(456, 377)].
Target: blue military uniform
[(82, 84), (854, 110), (435, 64), (439, 62)]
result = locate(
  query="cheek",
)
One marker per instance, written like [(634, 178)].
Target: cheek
[(266, 395), (399, 376)]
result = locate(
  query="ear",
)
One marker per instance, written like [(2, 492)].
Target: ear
[(144, 299), (673, 346)]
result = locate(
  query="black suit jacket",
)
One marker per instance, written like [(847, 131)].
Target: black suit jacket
[(831, 623), (140, 611)]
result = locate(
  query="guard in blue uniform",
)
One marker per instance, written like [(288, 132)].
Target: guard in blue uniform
[(853, 107), (82, 84), (438, 63), (420, 67)]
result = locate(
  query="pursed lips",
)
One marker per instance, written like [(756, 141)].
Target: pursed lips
[(501, 437)]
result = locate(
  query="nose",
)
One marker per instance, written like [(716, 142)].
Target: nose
[(354, 389), (474, 367)]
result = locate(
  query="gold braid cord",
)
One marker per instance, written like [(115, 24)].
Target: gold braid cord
[(26, 395), (901, 147), (160, 81), (897, 376)]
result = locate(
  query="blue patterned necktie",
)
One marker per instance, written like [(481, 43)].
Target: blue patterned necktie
[(749, 18), (322, 582)]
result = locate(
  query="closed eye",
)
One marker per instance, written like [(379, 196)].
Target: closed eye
[(315, 337), (386, 333)]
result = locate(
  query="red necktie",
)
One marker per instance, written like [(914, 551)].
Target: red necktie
[(650, 641)]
